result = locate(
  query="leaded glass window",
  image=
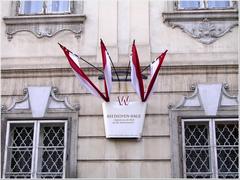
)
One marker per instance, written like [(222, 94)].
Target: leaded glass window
[(20, 150), (35, 149), (227, 149), (197, 149), (210, 148)]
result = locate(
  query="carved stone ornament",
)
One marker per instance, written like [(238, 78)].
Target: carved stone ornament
[(44, 25), (209, 97), (206, 27), (38, 100)]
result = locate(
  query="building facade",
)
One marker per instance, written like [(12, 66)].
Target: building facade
[(51, 127)]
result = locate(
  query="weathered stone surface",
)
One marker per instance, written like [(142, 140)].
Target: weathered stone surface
[(124, 169), (124, 149), (166, 80)]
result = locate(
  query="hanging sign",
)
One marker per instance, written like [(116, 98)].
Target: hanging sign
[(124, 119)]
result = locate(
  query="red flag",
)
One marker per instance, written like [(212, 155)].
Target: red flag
[(136, 75), (155, 67), (107, 70), (82, 77)]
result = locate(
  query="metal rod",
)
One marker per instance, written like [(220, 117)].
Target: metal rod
[(90, 64), (113, 66), (152, 62), (148, 65), (82, 59), (127, 70)]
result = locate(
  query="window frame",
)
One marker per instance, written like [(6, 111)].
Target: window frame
[(44, 11), (211, 122), (204, 6), (175, 117), (72, 133), (35, 149)]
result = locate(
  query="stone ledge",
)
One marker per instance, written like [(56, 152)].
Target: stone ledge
[(44, 25), (199, 15), (166, 70)]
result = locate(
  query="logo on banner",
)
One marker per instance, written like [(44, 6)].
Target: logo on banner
[(123, 100)]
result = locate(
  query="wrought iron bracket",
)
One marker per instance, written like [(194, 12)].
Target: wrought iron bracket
[(122, 76)]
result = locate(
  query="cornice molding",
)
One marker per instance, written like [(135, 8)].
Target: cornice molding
[(166, 70)]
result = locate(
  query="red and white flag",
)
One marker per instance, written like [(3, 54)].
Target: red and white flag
[(81, 76), (107, 70), (155, 67), (136, 75)]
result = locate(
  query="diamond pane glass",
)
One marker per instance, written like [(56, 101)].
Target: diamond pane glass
[(227, 149), (197, 150), (51, 151), (196, 135), (20, 151)]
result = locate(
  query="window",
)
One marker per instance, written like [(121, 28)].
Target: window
[(44, 7), (210, 148), (35, 149), (204, 4)]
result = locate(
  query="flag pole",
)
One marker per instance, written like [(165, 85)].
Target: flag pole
[(113, 66), (127, 70), (111, 62), (148, 65), (89, 63), (83, 59), (151, 63)]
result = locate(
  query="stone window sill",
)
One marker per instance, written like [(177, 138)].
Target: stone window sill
[(44, 25)]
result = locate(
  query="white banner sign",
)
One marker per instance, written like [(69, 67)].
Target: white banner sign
[(124, 120)]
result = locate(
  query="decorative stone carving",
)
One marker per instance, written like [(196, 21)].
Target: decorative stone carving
[(51, 101), (44, 25), (206, 27), (209, 97)]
